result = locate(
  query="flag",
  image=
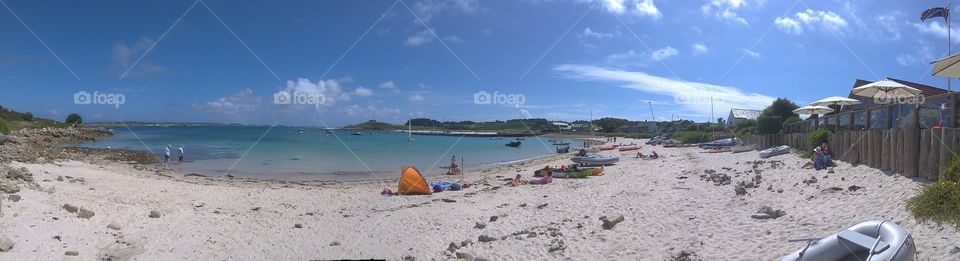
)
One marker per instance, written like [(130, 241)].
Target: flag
[(935, 12)]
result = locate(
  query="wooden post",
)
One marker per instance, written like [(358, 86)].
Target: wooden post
[(936, 143), (898, 151), (922, 167), (911, 146), (889, 118), (952, 121), (885, 150)]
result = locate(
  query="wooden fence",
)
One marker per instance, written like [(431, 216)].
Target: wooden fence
[(912, 152)]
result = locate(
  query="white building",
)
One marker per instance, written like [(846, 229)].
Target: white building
[(738, 116)]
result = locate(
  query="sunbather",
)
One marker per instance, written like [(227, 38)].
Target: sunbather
[(517, 181), (827, 159), (542, 181)]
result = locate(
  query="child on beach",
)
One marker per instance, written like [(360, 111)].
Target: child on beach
[(517, 181)]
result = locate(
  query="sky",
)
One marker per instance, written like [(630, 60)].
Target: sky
[(336, 62)]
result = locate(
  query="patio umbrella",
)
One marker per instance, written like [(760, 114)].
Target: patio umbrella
[(835, 100), (885, 89), (947, 67), (813, 109)]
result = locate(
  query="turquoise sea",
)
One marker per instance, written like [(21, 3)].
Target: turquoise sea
[(283, 153)]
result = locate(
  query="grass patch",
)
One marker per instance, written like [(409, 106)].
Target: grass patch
[(938, 203), (4, 127)]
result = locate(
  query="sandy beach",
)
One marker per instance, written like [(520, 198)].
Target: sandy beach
[(670, 211)]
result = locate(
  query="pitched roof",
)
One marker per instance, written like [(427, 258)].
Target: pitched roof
[(745, 113)]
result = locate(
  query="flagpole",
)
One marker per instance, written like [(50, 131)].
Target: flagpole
[(949, 46)]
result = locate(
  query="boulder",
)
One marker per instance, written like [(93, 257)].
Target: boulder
[(9, 187), (609, 223), (154, 214), (14, 198), (114, 225), (486, 238), (71, 253), (480, 225)]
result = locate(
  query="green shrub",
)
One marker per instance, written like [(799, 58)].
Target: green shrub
[(769, 125), (818, 137), (28, 116), (952, 173), (938, 202), (74, 119), (4, 127), (791, 120), (691, 137)]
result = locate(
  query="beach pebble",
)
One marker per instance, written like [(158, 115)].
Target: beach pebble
[(453, 247), (486, 238), (448, 200), (493, 218), (465, 256), (466, 242), (557, 245), (59, 178), (608, 223), (335, 243), (114, 225), (154, 214), (298, 225), (85, 213), (71, 253), (740, 190), (766, 212), (5, 243), (480, 225), (14, 198), (9, 188), (197, 204), (70, 208)]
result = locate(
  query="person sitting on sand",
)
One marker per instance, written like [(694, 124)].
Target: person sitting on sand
[(654, 155), (818, 159), (582, 153), (454, 168), (814, 160), (827, 158), (640, 155), (517, 181)]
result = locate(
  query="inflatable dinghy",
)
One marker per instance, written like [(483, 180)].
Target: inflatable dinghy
[(595, 160), (875, 240), (720, 143), (774, 151)]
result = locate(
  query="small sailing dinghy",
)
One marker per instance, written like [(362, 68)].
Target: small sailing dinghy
[(874, 240)]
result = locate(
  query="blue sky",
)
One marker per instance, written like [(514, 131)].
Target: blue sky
[(223, 61)]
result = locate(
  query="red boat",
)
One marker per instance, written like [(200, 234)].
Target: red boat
[(629, 148)]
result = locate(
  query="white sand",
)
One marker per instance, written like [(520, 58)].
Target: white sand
[(664, 214)]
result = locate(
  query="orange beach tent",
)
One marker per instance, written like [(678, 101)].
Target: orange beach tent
[(412, 183)]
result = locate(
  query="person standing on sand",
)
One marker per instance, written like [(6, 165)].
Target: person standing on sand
[(180, 160), (166, 157)]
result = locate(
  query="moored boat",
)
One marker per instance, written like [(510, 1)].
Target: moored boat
[(720, 143), (774, 151), (515, 143)]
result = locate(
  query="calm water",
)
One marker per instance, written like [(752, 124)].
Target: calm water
[(283, 153)]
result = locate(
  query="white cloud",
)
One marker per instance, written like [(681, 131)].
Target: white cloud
[(421, 38), (415, 98), (587, 32), (750, 53), (725, 97), (827, 21), (789, 25), (125, 56), (235, 104), (727, 9), (330, 90), (699, 48), (370, 111), (648, 8), (664, 53), (613, 58), (452, 39), (425, 86), (390, 86), (938, 29), (923, 56), (363, 92), (643, 8), (428, 9)]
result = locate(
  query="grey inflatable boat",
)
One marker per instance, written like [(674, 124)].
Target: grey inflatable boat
[(779, 150), (874, 240), (595, 160)]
